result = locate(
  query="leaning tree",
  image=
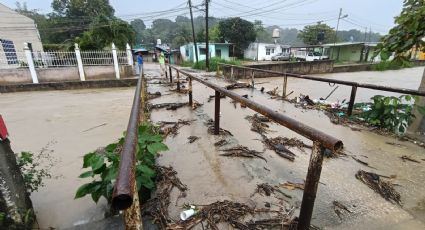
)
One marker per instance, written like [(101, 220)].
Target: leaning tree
[(404, 40)]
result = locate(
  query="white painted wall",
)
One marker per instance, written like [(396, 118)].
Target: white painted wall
[(263, 55)]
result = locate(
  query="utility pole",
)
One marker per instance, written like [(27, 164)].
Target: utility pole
[(370, 34), (365, 34), (207, 60), (337, 26), (193, 31)]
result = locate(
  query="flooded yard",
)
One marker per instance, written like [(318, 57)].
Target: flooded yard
[(81, 121)]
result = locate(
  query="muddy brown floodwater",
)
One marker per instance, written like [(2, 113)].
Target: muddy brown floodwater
[(37, 118)]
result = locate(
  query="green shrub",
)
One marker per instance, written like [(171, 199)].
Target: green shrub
[(103, 165), (391, 113), (214, 64), (391, 65)]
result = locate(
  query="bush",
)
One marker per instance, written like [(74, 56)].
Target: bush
[(104, 165), (390, 112), (391, 65), (213, 64)]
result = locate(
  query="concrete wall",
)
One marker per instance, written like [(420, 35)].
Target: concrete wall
[(22, 75), (19, 29), (290, 67)]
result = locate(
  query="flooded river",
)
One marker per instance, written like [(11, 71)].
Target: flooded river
[(37, 118), (405, 78)]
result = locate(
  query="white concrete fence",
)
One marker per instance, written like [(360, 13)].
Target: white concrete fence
[(55, 59)]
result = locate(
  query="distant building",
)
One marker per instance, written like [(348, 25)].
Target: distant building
[(265, 51), (219, 50), (350, 51), (17, 29)]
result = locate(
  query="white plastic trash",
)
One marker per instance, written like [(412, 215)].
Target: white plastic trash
[(186, 214)]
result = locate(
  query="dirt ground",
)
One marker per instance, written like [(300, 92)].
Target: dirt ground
[(37, 118)]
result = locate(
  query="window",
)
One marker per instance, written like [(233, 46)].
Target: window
[(272, 51), (187, 52), (203, 51), (218, 53), (267, 51), (9, 50)]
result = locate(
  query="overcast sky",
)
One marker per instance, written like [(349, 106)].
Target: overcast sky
[(377, 14)]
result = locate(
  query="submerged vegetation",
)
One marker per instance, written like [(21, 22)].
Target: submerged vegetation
[(103, 165), (214, 64), (392, 113), (391, 65)]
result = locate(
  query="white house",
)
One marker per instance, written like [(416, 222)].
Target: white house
[(219, 50), (15, 30), (265, 51)]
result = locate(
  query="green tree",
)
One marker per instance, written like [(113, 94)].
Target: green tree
[(262, 35), (104, 31), (237, 31), (407, 36), (309, 34)]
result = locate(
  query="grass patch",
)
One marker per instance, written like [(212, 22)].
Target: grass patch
[(391, 65)]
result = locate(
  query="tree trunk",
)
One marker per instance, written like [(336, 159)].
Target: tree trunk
[(15, 204), (417, 128)]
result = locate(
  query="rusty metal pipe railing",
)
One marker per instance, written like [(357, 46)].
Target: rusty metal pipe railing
[(304, 130), (321, 141), (354, 85), (329, 80), (122, 197)]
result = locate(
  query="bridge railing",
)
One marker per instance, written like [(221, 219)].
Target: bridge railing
[(354, 85), (321, 140)]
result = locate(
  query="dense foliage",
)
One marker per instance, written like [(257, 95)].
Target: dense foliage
[(238, 31), (408, 33), (309, 34), (391, 113), (103, 165)]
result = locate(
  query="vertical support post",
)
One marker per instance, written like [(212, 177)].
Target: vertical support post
[(311, 184), (190, 92), (79, 63), (218, 70), (252, 78), (30, 61), (231, 73), (352, 99), (178, 80), (129, 55), (217, 113), (171, 73), (285, 84), (115, 58)]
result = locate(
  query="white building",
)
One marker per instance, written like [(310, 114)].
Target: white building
[(265, 51), (15, 30)]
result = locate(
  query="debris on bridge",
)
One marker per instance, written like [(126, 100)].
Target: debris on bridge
[(167, 128), (258, 123), (167, 106), (407, 158), (384, 188), (293, 185), (151, 96), (242, 151), (237, 85), (340, 209), (192, 139)]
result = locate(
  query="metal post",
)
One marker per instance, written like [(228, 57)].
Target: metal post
[(352, 99), (115, 58), (79, 63), (190, 92), (285, 84), (171, 74), (166, 73), (310, 188), (30, 62), (217, 113), (231, 73), (252, 78), (178, 80)]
